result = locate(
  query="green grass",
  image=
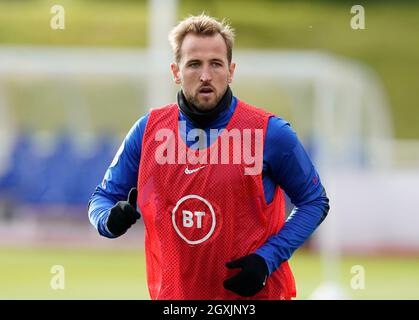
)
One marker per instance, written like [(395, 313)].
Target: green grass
[(389, 43), (89, 274), (25, 273), (87, 23), (386, 277)]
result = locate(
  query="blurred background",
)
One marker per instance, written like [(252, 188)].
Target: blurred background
[(75, 78)]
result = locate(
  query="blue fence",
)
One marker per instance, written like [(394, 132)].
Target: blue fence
[(66, 176)]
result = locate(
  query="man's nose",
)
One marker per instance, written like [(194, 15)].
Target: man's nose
[(206, 74)]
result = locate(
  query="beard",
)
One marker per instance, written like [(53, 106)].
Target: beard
[(206, 105)]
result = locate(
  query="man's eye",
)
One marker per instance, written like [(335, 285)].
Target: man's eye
[(194, 65), (216, 64)]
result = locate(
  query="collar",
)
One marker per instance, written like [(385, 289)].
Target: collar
[(199, 118)]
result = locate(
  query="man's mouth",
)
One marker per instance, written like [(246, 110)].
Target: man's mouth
[(206, 90)]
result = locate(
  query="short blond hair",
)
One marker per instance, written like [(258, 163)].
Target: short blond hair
[(201, 25)]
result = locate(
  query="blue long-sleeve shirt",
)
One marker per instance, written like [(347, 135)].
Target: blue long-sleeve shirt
[(285, 163)]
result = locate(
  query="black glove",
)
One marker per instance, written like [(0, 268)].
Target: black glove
[(251, 279), (123, 214)]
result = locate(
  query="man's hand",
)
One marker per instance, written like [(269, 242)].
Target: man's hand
[(251, 279), (123, 214)]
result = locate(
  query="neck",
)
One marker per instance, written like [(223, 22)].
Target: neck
[(203, 118)]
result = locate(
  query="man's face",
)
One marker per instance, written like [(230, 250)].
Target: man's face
[(203, 70)]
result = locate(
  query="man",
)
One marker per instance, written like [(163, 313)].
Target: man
[(210, 171)]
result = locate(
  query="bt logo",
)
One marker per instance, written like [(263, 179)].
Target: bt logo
[(194, 219), (188, 220)]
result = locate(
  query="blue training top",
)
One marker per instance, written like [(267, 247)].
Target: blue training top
[(285, 163)]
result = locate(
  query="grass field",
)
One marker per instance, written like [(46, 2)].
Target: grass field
[(104, 274)]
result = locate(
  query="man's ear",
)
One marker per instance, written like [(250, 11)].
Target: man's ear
[(176, 72), (231, 72)]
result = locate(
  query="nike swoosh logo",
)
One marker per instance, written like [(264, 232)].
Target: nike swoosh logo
[(190, 171)]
